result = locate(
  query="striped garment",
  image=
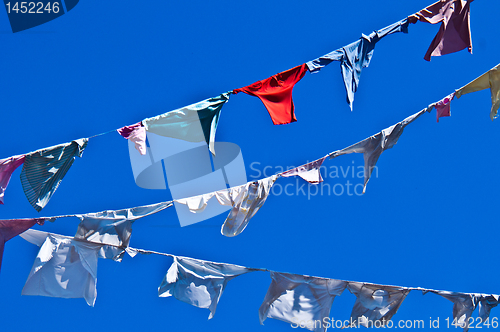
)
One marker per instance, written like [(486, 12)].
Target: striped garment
[(44, 170)]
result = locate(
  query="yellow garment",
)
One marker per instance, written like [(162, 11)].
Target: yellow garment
[(490, 79)]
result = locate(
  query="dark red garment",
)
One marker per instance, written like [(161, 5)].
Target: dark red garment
[(454, 33), (276, 93), (128, 130), (14, 227)]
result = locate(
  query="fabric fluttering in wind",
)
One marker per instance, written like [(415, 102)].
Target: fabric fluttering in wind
[(7, 167), (114, 227), (199, 283), (64, 267), (491, 80), (464, 305), (309, 172), (454, 33), (44, 170), (293, 298), (14, 227), (275, 93), (137, 134), (193, 123), (246, 200), (373, 146), (443, 106), (356, 56), (375, 302)]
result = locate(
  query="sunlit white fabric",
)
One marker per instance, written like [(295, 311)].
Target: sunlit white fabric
[(465, 304), (293, 298), (246, 200), (309, 172), (199, 283), (373, 146), (64, 267), (375, 302), (114, 227)]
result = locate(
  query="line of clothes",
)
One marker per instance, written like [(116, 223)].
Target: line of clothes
[(66, 267), (245, 200), (44, 169)]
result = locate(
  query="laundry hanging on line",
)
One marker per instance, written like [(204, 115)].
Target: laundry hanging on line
[(12, 228), (65, 267), (454, 33), (290, 297), (491, 80), (246, 200), (275, 93), (356, 56)]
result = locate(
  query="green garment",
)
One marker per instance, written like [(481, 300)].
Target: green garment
[(44, 170), (491, 80), (193, 123)]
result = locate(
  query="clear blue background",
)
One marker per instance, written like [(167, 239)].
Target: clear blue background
[(429, 219)]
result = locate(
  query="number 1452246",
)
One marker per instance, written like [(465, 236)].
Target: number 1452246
[(32, 7)]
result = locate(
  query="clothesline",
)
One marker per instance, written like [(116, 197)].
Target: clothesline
[(147, 252), (245, 200), (201, 284), (353, 58), (108, 132), (311, 171)]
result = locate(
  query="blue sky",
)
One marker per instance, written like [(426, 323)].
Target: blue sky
[(428, 218)]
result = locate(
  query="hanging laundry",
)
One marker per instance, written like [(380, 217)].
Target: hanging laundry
[(465, 304), (454, 33), (375, 302), (293, 298), (356, 56), (309, 172), (199, 283), (193, 123), (491, 80), (443, 106), (275, 93), (373, 146), (64, 267), (114, 227), (7, 167), (14, 227), (44, 170), (137, 134), (246, 200), (485, 303)]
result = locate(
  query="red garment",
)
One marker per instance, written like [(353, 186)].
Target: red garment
[(14, 227), (276, 93), (454, 34), (443, 106)]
